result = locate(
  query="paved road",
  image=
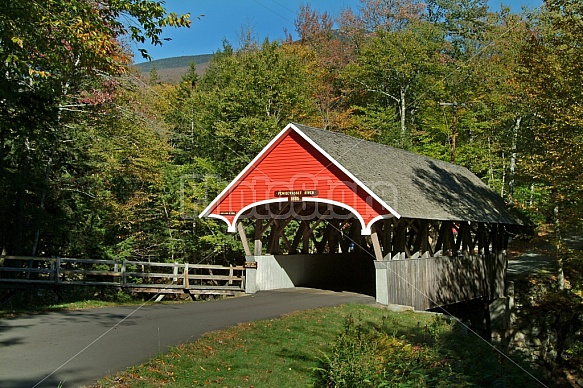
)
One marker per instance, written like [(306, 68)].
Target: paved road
[(540, 257), (77, 347)]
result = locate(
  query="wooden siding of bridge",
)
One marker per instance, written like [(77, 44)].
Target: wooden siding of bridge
[(427, 283)]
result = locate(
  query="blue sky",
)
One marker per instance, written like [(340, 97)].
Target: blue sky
[(225, 19)]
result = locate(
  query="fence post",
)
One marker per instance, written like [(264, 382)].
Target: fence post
[(123, 273), (115, 271), (230, 274), (175, 272), (58, 270), (185, 273), (52, 274)]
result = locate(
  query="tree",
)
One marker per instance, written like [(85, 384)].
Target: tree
[(154, 76), (243, 100), (393, 72), (56, 59), (326, 53), (465, 23), (552, 69), (509, 114), (385, 15)]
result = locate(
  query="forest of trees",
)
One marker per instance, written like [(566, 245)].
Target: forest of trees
[(96, 162)]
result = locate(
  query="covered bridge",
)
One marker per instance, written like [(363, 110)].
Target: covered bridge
[(327, 210)]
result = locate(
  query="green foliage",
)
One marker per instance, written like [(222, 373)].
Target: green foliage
[(362, 356), (551, 69), (354, 360), (392, 72), (241, 102), (58, 60), (123, 297), (574, 270)]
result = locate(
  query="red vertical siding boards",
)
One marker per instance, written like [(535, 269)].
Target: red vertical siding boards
[(293, 164)]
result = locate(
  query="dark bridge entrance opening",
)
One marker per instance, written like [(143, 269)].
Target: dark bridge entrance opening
[(338, 272), (307, 244)]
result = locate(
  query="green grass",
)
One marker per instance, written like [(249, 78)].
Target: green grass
[(296, 351), (31, 301)]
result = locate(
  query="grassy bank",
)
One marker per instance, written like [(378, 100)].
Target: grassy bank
[(33, 301), (331, 346)]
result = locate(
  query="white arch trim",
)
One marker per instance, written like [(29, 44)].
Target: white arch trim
[(365, 231), (377, 218), (219, 217)]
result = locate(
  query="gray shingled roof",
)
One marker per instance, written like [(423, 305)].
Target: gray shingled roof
[(415, 186)]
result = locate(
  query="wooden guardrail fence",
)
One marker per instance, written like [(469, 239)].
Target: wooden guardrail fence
[(138, 276)]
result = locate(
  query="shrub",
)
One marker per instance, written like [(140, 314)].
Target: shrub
[(365, 356)]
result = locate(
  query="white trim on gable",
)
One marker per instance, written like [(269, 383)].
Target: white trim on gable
[(365, 229), (219, 217), (341, 167), (377, 218)]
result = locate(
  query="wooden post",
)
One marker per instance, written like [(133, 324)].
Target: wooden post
[(445, 240), (424, 232), (355, 235), (298, 237), (258, 232), (243, 236), (123, 273), (332, 235), (306, 238), (286, 242), (186, 283), (400, 236), (388, 238), (420, 244), (53, 271), (481, 236), (175, 272), (273, 239), (376, 244), (58, 270)]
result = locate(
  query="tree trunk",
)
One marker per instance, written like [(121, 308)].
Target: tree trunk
[(559, 250), (453, 135), (513, 161), (503, 174), (403, 110), (43, 197), (19, 217)]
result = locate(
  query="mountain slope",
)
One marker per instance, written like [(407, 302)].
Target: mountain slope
[(170, 70)]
